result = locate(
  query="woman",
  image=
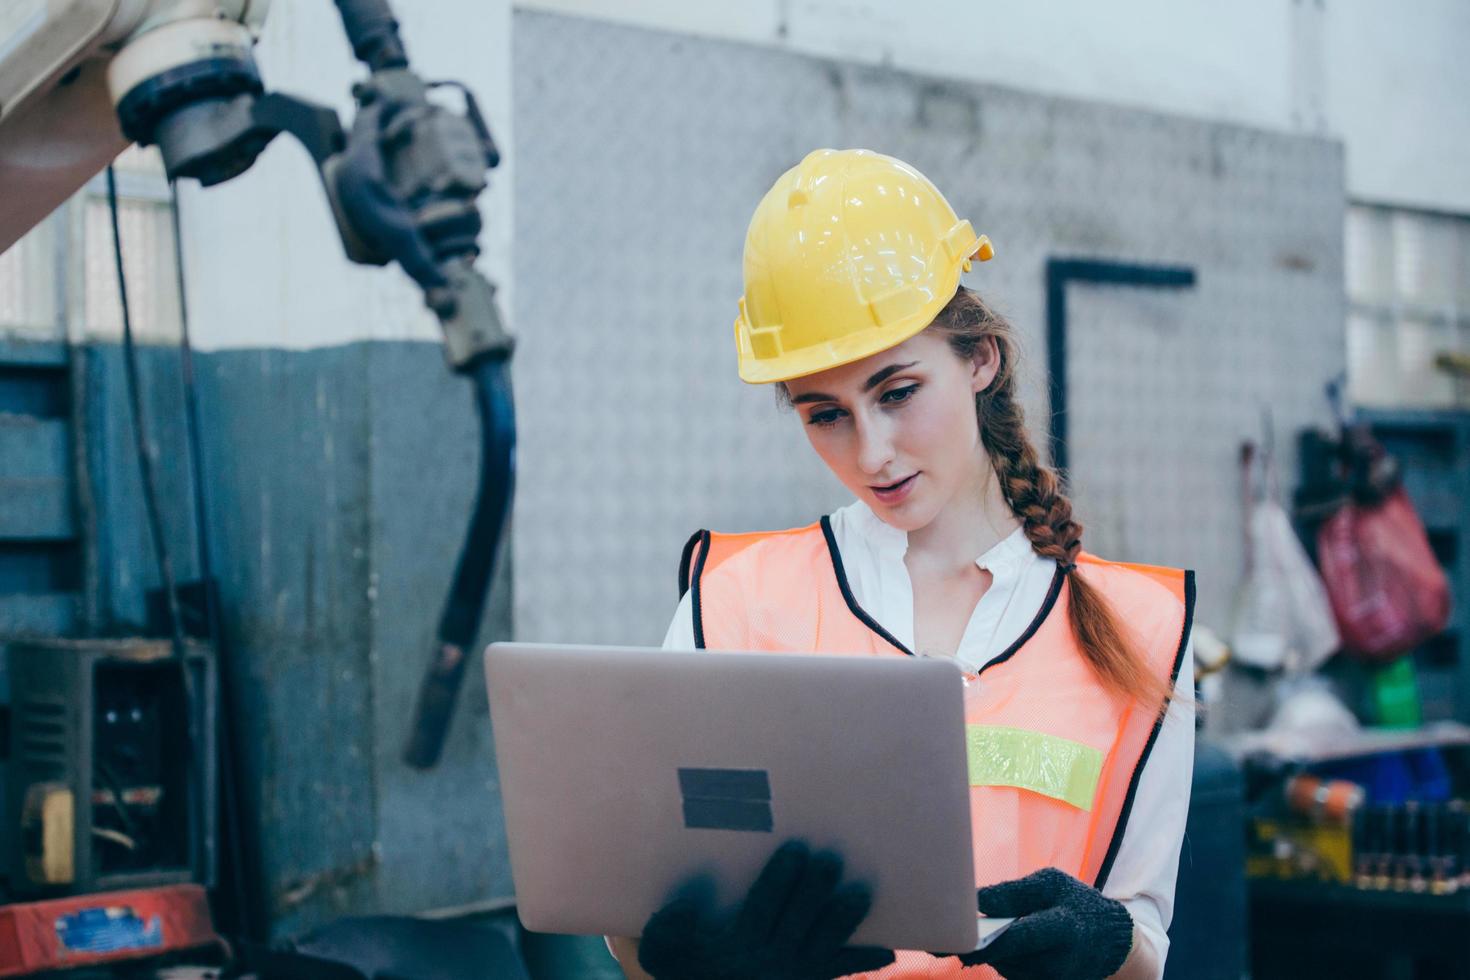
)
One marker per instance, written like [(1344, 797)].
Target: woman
[(960, 544)]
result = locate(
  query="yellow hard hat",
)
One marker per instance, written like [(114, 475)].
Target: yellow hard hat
[(850, 253)]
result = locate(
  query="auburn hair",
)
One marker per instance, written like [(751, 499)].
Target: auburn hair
[(1035, 496)]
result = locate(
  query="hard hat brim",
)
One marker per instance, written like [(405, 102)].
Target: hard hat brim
[(846, 349)]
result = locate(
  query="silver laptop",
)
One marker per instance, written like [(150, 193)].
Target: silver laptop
[(626, 771)]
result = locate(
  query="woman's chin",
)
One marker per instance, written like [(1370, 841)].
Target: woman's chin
[(909, 515)]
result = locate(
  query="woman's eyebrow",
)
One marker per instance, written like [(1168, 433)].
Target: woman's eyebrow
[(883, 375), (812, 396), (877, 379)]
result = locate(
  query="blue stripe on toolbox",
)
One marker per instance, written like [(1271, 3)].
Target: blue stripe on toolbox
[(725, 784), (728, 815)]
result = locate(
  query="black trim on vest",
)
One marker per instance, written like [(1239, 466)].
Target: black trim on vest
[(1117, 841), (1057, 580), (703, 538), (848, 597), (684, 560)]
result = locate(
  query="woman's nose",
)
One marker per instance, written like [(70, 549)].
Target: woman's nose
[(875, 446)]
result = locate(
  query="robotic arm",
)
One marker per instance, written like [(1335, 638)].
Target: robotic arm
[(81, 79)]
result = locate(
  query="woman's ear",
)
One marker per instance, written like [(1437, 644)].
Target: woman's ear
[(984, 364)]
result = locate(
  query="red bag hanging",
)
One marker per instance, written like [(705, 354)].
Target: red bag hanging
[(1387, 589)]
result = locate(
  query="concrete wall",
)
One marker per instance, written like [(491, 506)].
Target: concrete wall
[(1388, 82), (649, 149)]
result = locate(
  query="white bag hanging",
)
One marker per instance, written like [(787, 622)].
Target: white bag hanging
[(1283, 618)]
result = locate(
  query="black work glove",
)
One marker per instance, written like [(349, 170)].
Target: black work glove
[(791, 926), (1064, 929)]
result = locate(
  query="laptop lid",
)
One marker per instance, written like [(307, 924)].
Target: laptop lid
[(625, 771)]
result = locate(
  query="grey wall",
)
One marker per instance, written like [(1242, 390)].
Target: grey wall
[(640, 157)]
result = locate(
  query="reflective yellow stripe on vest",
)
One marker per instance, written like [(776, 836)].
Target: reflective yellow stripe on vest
[(1047, 764)]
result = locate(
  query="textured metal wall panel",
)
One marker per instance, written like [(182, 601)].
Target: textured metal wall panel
[(439, 838), (640, 157), (286, 447), (36, 510), (33, 449), (636, 173), (39, 614), (339, 484), (342, 482)]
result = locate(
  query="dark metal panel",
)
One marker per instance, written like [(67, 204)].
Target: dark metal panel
[(36, 510), (38, 551), (45, 614), (125, 567), (29, 390), (32, 448), (339, 483), (1208, 938), (287, 446), (36, 568)]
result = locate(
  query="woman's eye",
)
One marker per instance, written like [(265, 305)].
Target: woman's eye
[(896, 395), (826, 418)]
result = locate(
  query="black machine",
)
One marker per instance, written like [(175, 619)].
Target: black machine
[(99, 788)]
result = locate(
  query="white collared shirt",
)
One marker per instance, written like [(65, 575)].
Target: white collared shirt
[(872, 552)]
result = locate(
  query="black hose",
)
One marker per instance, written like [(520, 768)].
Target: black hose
[(193, 756), (460, 621), (373, 33), (145, 458), (191, 424)]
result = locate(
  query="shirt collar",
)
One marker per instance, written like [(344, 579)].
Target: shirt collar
[(1008, 554), (885, 539)]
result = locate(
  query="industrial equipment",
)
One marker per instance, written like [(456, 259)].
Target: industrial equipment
[(111, 773)]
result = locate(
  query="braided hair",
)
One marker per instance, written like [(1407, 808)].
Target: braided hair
[(1036, 498)]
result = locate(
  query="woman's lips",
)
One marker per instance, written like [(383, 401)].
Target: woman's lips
[(895, 492)]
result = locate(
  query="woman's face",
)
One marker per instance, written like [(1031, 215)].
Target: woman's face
[(899, 428)]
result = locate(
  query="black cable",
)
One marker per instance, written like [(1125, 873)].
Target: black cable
[(191, 429), (229, 776), (155, 524), (145, 458)]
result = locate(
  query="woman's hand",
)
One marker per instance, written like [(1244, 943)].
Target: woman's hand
[(793, 925), (1064, 929)]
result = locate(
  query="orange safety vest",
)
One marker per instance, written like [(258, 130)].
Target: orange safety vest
[(1054, 757)]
